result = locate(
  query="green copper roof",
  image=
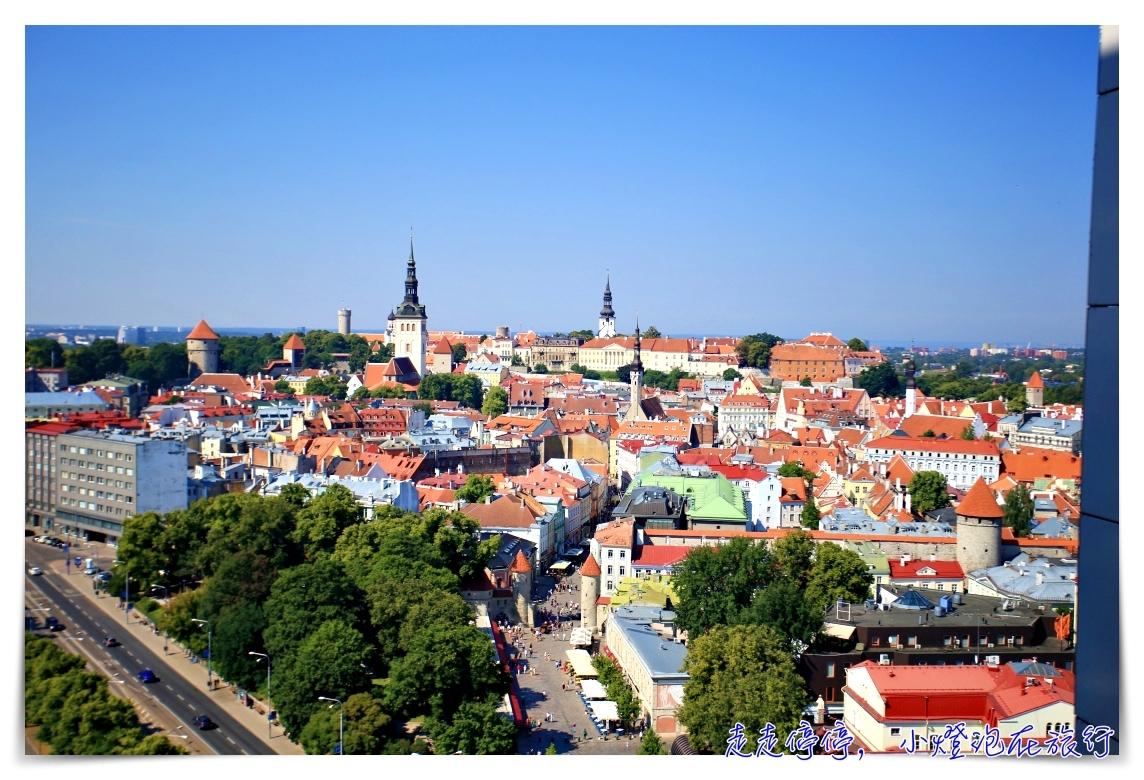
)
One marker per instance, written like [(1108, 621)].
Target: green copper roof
[(708, 497)]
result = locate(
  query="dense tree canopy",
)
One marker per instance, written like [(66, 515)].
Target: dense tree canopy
[(338, 603), (928, 490), (880, 381), (838, 573), (755, 350), (476, 488), (740, 674), (495, 403), (464, 388), (1018, 511), (856, 344), (715, 584), (75, 710), (326, 385), (155, 365)]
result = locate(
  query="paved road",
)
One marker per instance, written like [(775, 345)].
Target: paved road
[(171, 691)]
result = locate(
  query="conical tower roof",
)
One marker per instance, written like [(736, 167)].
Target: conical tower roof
[(590, 567), (202, 332), (1035, 380), (979, 502), (294, 342), (520, 564), (443, 347)]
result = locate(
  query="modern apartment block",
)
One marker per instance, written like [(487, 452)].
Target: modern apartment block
[(40, 471), (102, 478)]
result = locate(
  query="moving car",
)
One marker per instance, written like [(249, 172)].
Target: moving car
[(147, 676), (53, 624), (204, 723), (35, 570), (111, 642)]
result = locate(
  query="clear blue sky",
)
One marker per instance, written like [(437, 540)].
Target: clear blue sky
[(891, 183)]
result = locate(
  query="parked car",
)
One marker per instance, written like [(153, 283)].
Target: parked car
[(204, 723), (147, 676), (35, 571), (104, 575), (53, 624), (90, 570), (111, 642)]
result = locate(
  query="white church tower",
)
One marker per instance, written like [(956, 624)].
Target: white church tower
[(410, 324), (607, 316)]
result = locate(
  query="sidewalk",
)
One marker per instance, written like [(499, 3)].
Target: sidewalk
[(176, 658)]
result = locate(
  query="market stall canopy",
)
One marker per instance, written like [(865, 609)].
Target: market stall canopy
[(605, 710), (594, 690), (838, 631), (560, 566), (581, 663), (581, 637)]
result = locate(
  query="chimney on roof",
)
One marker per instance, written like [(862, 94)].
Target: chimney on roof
[(488, 499)]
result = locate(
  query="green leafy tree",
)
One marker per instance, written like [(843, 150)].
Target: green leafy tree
[(294, 494), (463, 388), (387, 391), (651, 745), (794, 468), (361, 394), (366, 724), (328, 662), (729, 375), (740, 674), (782, 605), (424, 407), (794, 554), (805, 381), (582, 334), (810, 512), (459, 353), (444, 667), (715, 584), (516, 361), (880, 381), (967, 433), (476, 488), (1018, 511), (551, 749), (624, 374), (928, 490), (43, 353), (282, 386), (495, 403), (305, 597), (755, 350), (540, 368), (838, 573), (858, 345), (652, 333), (928, 434), (321, 522), (477, 729), (326, 385)]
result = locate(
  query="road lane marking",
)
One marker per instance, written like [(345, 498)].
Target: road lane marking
[(180, 697), (169, 688), (231, 741)]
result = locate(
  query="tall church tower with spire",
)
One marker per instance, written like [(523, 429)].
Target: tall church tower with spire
[(635, 410), (607, 315), (410, 324)]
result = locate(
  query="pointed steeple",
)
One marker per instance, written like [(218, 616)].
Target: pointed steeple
[(637, 364), (607, 310), (411, 275)]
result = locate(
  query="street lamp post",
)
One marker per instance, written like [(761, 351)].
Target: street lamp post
[(269, 735), (341, 724), (126, 593), (210, 655)]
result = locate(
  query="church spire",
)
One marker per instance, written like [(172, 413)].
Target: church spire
[(607, 310), (411, 275), (637, 364)]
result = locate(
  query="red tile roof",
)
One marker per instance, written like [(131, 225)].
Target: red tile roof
[(941, 569), (520, 563), (979, 502), (294, 342), (202, 332), (590, 567), (1035, 380), (659, 556), (443, 347)]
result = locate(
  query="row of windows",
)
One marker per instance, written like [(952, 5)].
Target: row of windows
[(97, 494), (92, 465), (98, 453), (98, 480), (623, 553), (93, 507), (621, 570)]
